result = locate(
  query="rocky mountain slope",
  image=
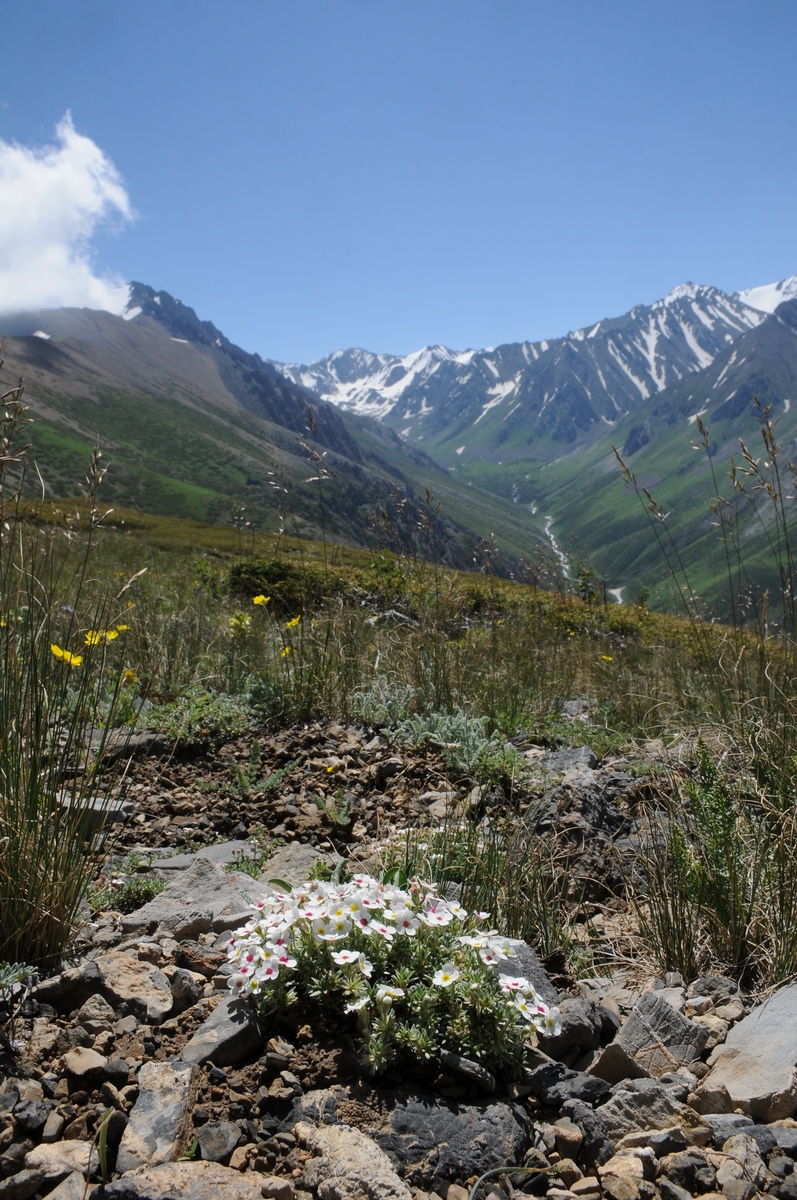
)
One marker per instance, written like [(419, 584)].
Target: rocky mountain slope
[(496, 401), (195, 426), (653, 1090), (537, 423)]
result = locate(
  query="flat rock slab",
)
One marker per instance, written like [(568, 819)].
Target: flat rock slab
[(217, 852), (348, 1165), (183, 1181), (230, 1033), (758, 1061), (61, 1159), (160, 1121), (431, 1141), (293, 864), (659, 1038), (119, 979), (225, 897)]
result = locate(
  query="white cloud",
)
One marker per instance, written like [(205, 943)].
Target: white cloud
[(52, 200)]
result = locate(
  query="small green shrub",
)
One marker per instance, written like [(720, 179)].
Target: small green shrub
[(202, 720)]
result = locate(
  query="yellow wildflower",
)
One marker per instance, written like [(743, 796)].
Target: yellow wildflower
[(285, 652), (294, 621), (260, 599), (607, 658), (122, 628), (129, 678), (74, 660)]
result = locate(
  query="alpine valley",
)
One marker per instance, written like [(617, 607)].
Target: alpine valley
[(514, 444), (538, 422)]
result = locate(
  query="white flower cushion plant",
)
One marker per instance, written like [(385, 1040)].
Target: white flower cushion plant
[(416, 968)]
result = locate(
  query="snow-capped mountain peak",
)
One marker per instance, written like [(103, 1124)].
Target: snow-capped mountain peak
[(767, 297), (594, 374)]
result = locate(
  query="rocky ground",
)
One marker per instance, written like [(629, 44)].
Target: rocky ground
[(134, 1063)]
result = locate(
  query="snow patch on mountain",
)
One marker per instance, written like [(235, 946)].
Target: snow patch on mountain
[(767, 297)]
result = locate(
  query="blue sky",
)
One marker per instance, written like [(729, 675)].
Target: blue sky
[(390, 173)]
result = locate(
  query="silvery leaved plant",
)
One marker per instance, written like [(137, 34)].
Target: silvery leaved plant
[(419, 972)]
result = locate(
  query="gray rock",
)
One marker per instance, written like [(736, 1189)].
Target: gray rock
[(230, 1033), (71, 1188), (217, 1140), (582, 1027), (682, 1168), (97, 811), (431, 1140), (292, 864), (659, 1038), (579, 757), (786, 1140), (643, 1104), (160, 1121), (615, 1064), (348, 1165), (187, 988), (23, 1185), (218, 852), (96, 1015), (119, 979), (724, 1125), (763, 1136), (468, 1069), (183, 1181), (526, 962), (61, 1159), (204, 887), (671, 1191), (757, 1061), (716, 987), (553, 1084), (596, 1148)]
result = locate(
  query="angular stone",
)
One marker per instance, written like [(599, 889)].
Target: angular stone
[(23, 1185), (204, 887), (715, 1027), (615, 1064), (230, 1033), (526, 962), (742, 1161), (217, 1140), (96, 1015), (718, 987), (277, 1187), (84, 1062), (757, 1061), (643, 1104), (117, 977), (348, 1165), (596, 1147), (160, 1122), (711, 1098), (468, 1069), (183, 1181), (581, 1028), (188, 987), (61, 1159), (450, 1141), (553, 1083), (71, 1188), (659, 1038)]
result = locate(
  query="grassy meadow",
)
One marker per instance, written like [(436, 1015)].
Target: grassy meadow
[(110, 620)]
